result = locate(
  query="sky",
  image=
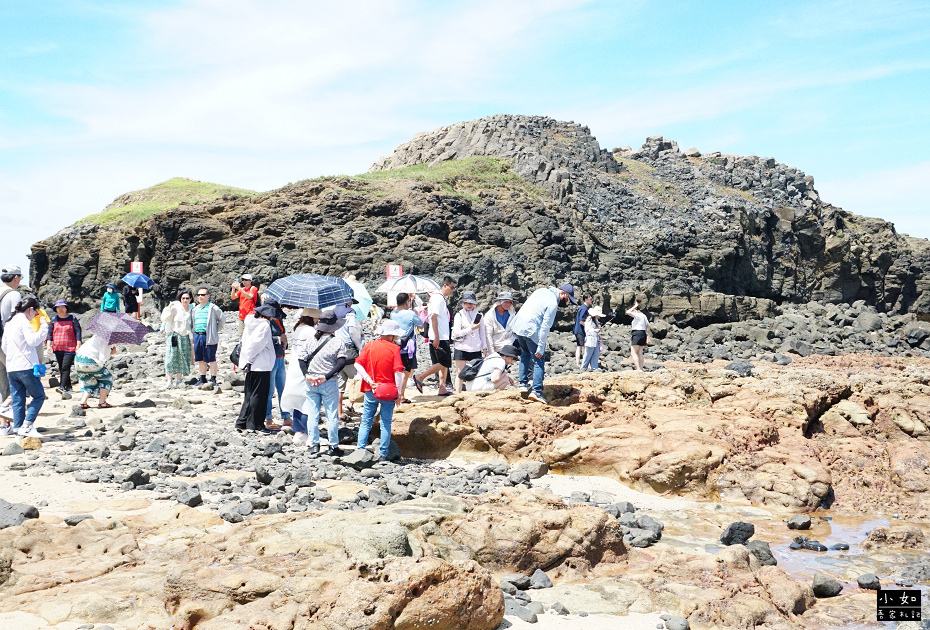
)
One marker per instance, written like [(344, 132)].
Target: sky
[(102, 97)]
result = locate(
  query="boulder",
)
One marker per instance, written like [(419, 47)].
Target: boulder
[(13, 514), (737, 533), (824, 586)]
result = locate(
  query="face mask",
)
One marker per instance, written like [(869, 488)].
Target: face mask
[(109, 290)]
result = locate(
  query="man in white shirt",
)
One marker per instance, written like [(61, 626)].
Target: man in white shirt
[(440, 350), (11, 276)]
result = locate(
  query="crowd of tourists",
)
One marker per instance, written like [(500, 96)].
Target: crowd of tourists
[(308, 369)]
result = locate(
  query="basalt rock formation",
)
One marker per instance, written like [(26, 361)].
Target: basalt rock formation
[(522, 202)]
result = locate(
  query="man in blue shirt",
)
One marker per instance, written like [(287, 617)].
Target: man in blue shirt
[(408, 320), (531, 325), (578, 331)]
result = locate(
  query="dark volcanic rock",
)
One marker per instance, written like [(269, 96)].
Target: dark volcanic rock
[(737, 533), (13, 514), (824, 586)]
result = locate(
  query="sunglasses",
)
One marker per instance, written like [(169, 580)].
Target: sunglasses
[(202, 294)]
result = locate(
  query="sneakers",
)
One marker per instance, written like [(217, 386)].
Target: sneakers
[(313, 449), (6, 411), (28, 430), (213, 381), (202, 380), (301, 438), (6, 430), (335, 451), (537, 398)]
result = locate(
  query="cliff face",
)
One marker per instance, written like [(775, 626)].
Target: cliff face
[(517, 202)]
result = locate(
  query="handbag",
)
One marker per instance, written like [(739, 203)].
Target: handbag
[(386, 392), (234, 355), (351, 354)]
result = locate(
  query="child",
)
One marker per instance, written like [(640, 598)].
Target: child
[(64, 339), (592, 338)]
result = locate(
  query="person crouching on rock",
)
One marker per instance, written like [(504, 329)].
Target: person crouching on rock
[(23, 368), (295, 385), (493, 372), (64, 339), (321, 361), (592, 338), (381, 370), (90, 365), (531, 325), (179, 355), (638, 336), (256, 360)]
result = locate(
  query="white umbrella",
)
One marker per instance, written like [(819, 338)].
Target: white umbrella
[(409, 284)]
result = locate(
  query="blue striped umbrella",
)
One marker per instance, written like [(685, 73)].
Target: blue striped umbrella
[(310, 290), (139, 281)]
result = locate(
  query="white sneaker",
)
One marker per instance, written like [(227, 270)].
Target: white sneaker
[(536, 397), (24, 430), (32, 432), (6, 411), (300, 438), (7, 430)]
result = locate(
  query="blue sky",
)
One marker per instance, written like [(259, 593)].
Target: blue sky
[(98, 98)]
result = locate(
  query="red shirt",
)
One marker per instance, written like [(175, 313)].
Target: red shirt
[(247, 300), (381, 360)]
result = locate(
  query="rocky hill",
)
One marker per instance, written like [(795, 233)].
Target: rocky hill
[(519, 202)]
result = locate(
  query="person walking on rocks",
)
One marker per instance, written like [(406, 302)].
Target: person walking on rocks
[(469, 336), (592, 338), (178, 321), (578, 330), (110, 302), (90, 365), (247, 296), (207, 323), (130, 300), (295, 385), (19, 345), (409, 321), (279, 371), (497, 322), (11, 276), (64, 340), (381, 371), (531, 325), (350, 334), (440, 351), (493, 372), (638, 336), (256, 360), (321, 360)]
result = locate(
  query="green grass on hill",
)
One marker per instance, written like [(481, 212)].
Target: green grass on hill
[(465, 177), (135, 207)]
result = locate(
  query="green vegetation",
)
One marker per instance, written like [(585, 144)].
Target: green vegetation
[(464, 178), (133, 208)]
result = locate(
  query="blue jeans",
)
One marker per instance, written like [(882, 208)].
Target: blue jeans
[(528, 361), (368, 418), (327, 397), (24, 383), (278, 376), (591, 355)]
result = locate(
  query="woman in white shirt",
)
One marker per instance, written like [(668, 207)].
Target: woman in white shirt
[(294, 397), (256, 359), (179, 354), (468, 335), (19, 345), (638, 337), (493, 372), (592, 338)]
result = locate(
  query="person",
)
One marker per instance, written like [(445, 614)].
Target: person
[(497, 322), (110, 302), (11, 276), (179, 334), (321, 360), (256, 360), (294, 397), (592, 338), (531, 325), (64, 340), (207, 322), (578, 330), (409, 321), (90, 365), (469, 335), (130, 301), (247, 296), (350, 334), (19, 344), (493, 372), (381, 371), (440, 351), (638, 336), (279, 371)]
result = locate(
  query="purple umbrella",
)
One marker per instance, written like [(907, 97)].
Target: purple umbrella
[(118, 328)]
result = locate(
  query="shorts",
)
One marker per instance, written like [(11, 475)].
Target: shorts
[(465, 355), (203, 352), (579, 339), (441, 355), (410, 363), (638, 338), (348, 372)]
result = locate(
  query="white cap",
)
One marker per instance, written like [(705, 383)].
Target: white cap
[(246, 276), (12, 270), (390, 327)]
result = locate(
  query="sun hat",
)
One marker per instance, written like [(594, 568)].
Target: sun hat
[(329, 322), (389, 327), (503, 296), (266, 310), (571, 292), (109, 284), (311, 312), (13, 270), (595, 311), (509, 350), (61, 303), (246, 276), (469, 297)]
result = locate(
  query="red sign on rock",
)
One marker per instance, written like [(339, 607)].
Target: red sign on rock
[(394, 272)]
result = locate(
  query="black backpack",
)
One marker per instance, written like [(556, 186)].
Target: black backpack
[(471, 370)]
